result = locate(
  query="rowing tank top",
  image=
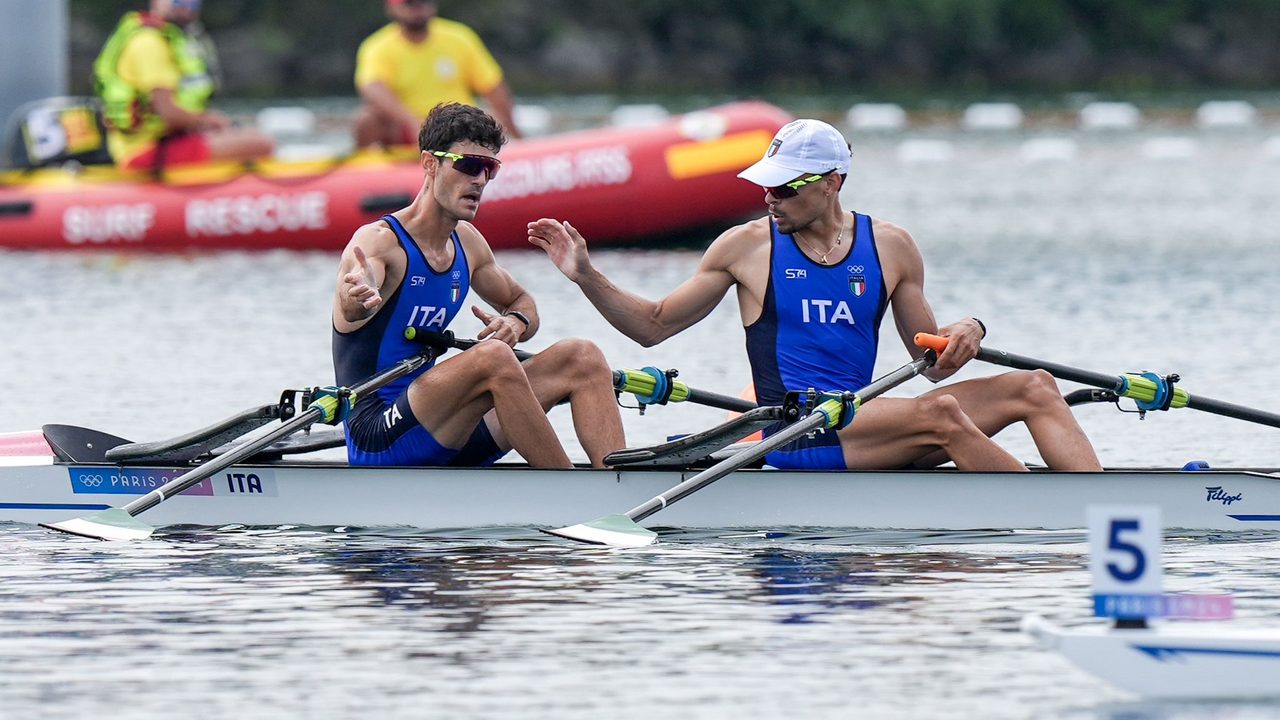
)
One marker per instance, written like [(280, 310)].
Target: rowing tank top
[(820, 324), (425, 299)]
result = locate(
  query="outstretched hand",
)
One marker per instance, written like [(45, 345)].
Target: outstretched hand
[(506, 328), (360, 285), (563, 244)]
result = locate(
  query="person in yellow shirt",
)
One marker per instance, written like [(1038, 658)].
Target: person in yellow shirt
[(417, 62), (155, 85)]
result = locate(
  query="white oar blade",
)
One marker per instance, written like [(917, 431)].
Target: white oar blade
[(613, 530), (110, 524)]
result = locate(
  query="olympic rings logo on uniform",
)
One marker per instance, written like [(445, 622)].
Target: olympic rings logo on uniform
[(854, 268)]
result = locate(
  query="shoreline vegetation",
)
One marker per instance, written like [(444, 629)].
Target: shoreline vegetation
[(906, 51)]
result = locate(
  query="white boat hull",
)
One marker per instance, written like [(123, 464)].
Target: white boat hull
[(1172, 662), (312, 493)]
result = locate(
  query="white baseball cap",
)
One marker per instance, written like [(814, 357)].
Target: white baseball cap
[(801, 146)]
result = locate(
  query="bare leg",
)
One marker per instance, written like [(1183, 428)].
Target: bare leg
[(374, 128), (1033, 398), (576, 370), (895, 432), (454, 396), (239, 144)]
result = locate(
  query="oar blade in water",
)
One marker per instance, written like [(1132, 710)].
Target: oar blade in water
[(110, 524), (614, 530)]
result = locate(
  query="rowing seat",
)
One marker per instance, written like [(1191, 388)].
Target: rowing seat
[(692, 449), (186, 448)]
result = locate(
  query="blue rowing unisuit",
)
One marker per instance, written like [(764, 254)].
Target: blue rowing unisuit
[(425, 298), (382, 429), (819, 328)]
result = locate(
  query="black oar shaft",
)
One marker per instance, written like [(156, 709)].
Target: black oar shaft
[(716, 400), (1116, 384), (1062, 372), (810, 423), (308, 417), (1231, 410)]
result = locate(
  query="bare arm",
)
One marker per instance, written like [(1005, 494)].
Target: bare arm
[(911, 310), (502, 105), (178, 118), (648, 322), (362, 272), (383, 100), (499, 288)]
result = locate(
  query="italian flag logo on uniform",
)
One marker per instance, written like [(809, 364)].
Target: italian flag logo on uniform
[(454, 291), (857, 285)]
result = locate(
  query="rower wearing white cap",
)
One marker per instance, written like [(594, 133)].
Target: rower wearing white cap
[(813, 282)]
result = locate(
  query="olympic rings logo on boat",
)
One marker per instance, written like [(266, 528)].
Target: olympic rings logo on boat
[(91, 480)]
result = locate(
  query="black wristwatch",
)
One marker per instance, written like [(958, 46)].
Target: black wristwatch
[(519, 316)]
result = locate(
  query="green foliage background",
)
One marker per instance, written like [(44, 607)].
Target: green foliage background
[(300, 47)]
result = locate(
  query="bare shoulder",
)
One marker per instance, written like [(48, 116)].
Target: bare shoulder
[(740, 244), (376, 239), (890, 236), (474, 245)]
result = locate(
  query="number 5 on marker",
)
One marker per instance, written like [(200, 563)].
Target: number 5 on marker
[(1124, 550)]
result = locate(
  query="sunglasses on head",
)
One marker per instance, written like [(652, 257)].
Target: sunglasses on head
[(472, 165), (792, 189)]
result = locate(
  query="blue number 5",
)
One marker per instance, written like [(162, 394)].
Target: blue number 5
[(1118, 545)]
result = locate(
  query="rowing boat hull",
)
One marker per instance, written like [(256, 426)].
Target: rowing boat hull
[(318, 493), (1172, 662), (614, 184)]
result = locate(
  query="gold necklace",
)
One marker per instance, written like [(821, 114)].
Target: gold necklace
[(823, 259)]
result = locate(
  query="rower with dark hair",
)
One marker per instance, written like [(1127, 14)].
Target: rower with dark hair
[(413, 269), (813, 282)]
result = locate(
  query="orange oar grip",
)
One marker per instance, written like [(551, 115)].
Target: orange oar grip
[(936, 343)]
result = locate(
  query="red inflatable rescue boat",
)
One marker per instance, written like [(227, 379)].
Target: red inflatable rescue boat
[(616, 185)]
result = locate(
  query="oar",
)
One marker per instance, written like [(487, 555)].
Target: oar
[(650, 385), (1149, 390), (121, 523), (624, 531)]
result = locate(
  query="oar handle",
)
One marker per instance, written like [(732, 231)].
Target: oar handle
[(446, 340), (937, 343)]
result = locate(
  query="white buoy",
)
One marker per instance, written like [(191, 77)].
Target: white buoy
[(277, 121), (638, 116), (533, 120), (1049, 149), (925, 151), (1170, 148), (993, 116), (1226, 114), (876, 116), (1109, 116)]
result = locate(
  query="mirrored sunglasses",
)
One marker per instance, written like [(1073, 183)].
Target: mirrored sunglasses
[(472, 165), (791, 189)]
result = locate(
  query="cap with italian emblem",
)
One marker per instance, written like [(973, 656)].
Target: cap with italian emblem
[(801, 146)]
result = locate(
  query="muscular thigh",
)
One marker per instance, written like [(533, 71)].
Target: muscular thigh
[(886, 434), (992, 403), (448, 402)]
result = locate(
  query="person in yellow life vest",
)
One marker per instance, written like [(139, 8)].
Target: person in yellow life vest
[(155, 85), (417, 62)]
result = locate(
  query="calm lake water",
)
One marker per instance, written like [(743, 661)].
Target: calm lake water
[(1116, 260)]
